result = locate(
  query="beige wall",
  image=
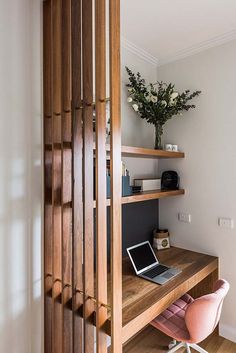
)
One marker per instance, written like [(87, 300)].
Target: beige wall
[(20, 177), (208, 173), (136, 131)]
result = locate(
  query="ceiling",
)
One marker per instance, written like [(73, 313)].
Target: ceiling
[(167, 30)]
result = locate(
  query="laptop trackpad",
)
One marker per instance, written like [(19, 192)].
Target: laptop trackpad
[(167, 275)]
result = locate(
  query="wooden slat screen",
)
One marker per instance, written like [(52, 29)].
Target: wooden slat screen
[(77, 175), (101, 221), (116, 242), (66, 177), (47, 96), (88, 248), (57, 324), (75, 236)]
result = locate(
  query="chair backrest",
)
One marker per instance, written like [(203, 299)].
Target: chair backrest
[(203, 314)]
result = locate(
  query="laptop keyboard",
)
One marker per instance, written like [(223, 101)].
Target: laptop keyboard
[(155, 271)]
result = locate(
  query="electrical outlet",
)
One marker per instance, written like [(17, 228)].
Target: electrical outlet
[(226, 222), (184, 217)]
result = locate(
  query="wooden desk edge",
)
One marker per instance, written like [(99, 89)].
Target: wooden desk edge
[(142, 320)]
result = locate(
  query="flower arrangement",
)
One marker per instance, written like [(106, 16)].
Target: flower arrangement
[(157, 102)]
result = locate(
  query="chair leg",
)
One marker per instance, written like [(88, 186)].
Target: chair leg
[(188, 348), (197, 348), (177, 347), (172, 344)]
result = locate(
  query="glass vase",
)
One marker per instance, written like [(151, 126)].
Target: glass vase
[(158, 136)]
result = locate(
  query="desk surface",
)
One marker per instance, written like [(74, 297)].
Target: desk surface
[(144, 300)]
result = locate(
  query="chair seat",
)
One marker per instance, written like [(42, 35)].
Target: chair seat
[(172, 322)]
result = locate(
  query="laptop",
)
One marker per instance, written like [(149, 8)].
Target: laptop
[(147, 266)]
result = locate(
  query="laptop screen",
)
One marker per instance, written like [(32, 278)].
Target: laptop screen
[(142, 256)]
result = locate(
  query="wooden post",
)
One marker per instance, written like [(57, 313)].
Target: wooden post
[(66, 177), (88, 170), (116, 239), (77, 269), (57, 178), (101, 209), (47, 98)]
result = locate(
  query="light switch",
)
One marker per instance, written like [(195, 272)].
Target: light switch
[(226, 222), (184, 217)]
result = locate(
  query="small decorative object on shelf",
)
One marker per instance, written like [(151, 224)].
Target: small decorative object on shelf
[(168, 147), (148, 184), (169, 180), (126, 188), (161, 239), (171, 148), (157, 102)]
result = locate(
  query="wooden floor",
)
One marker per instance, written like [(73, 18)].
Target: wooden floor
[(152, 341)]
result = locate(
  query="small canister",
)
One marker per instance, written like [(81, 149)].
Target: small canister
[(161, 239)]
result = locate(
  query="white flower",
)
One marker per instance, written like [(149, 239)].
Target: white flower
[(172, 102), (154, 99), (129, 100), (135, 107), (130, 89), (164, 103), (174, 95)]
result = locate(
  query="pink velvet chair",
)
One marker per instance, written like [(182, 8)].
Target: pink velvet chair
[(191, 321)]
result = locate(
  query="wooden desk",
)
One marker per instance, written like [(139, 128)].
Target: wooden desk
[(144, 300)]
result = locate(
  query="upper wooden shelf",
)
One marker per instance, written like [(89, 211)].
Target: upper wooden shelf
[(139, 152), (128, 151), (147, 195)]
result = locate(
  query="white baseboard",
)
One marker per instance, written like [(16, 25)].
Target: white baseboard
[(228, 332)]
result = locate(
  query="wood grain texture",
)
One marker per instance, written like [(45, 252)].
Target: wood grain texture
[(57, 179), (140, 152), (153, 341), (146, 196), (48, 244), (144, 300), (129, 151), (116, 237), (66, 178), (88, 258), (101, 221), (77, 142)]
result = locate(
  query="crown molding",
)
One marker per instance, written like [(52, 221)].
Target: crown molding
[(143, 54), (213, 42)]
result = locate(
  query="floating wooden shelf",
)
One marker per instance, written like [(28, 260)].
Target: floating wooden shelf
[(139, 152), (147, 195)]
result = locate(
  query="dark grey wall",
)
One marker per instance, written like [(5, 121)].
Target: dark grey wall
[(138, 221)]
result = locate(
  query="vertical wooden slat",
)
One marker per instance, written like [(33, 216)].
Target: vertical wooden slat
[(116, 242), (47, 85), (77, 178), (88, 259), (66, 178), (57, 181), (101, 226)]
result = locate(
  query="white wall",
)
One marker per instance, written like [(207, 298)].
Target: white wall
[(20, 177), (208, 173), (136, 131)]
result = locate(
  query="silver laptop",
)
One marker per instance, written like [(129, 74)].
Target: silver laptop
[(147, 266)]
